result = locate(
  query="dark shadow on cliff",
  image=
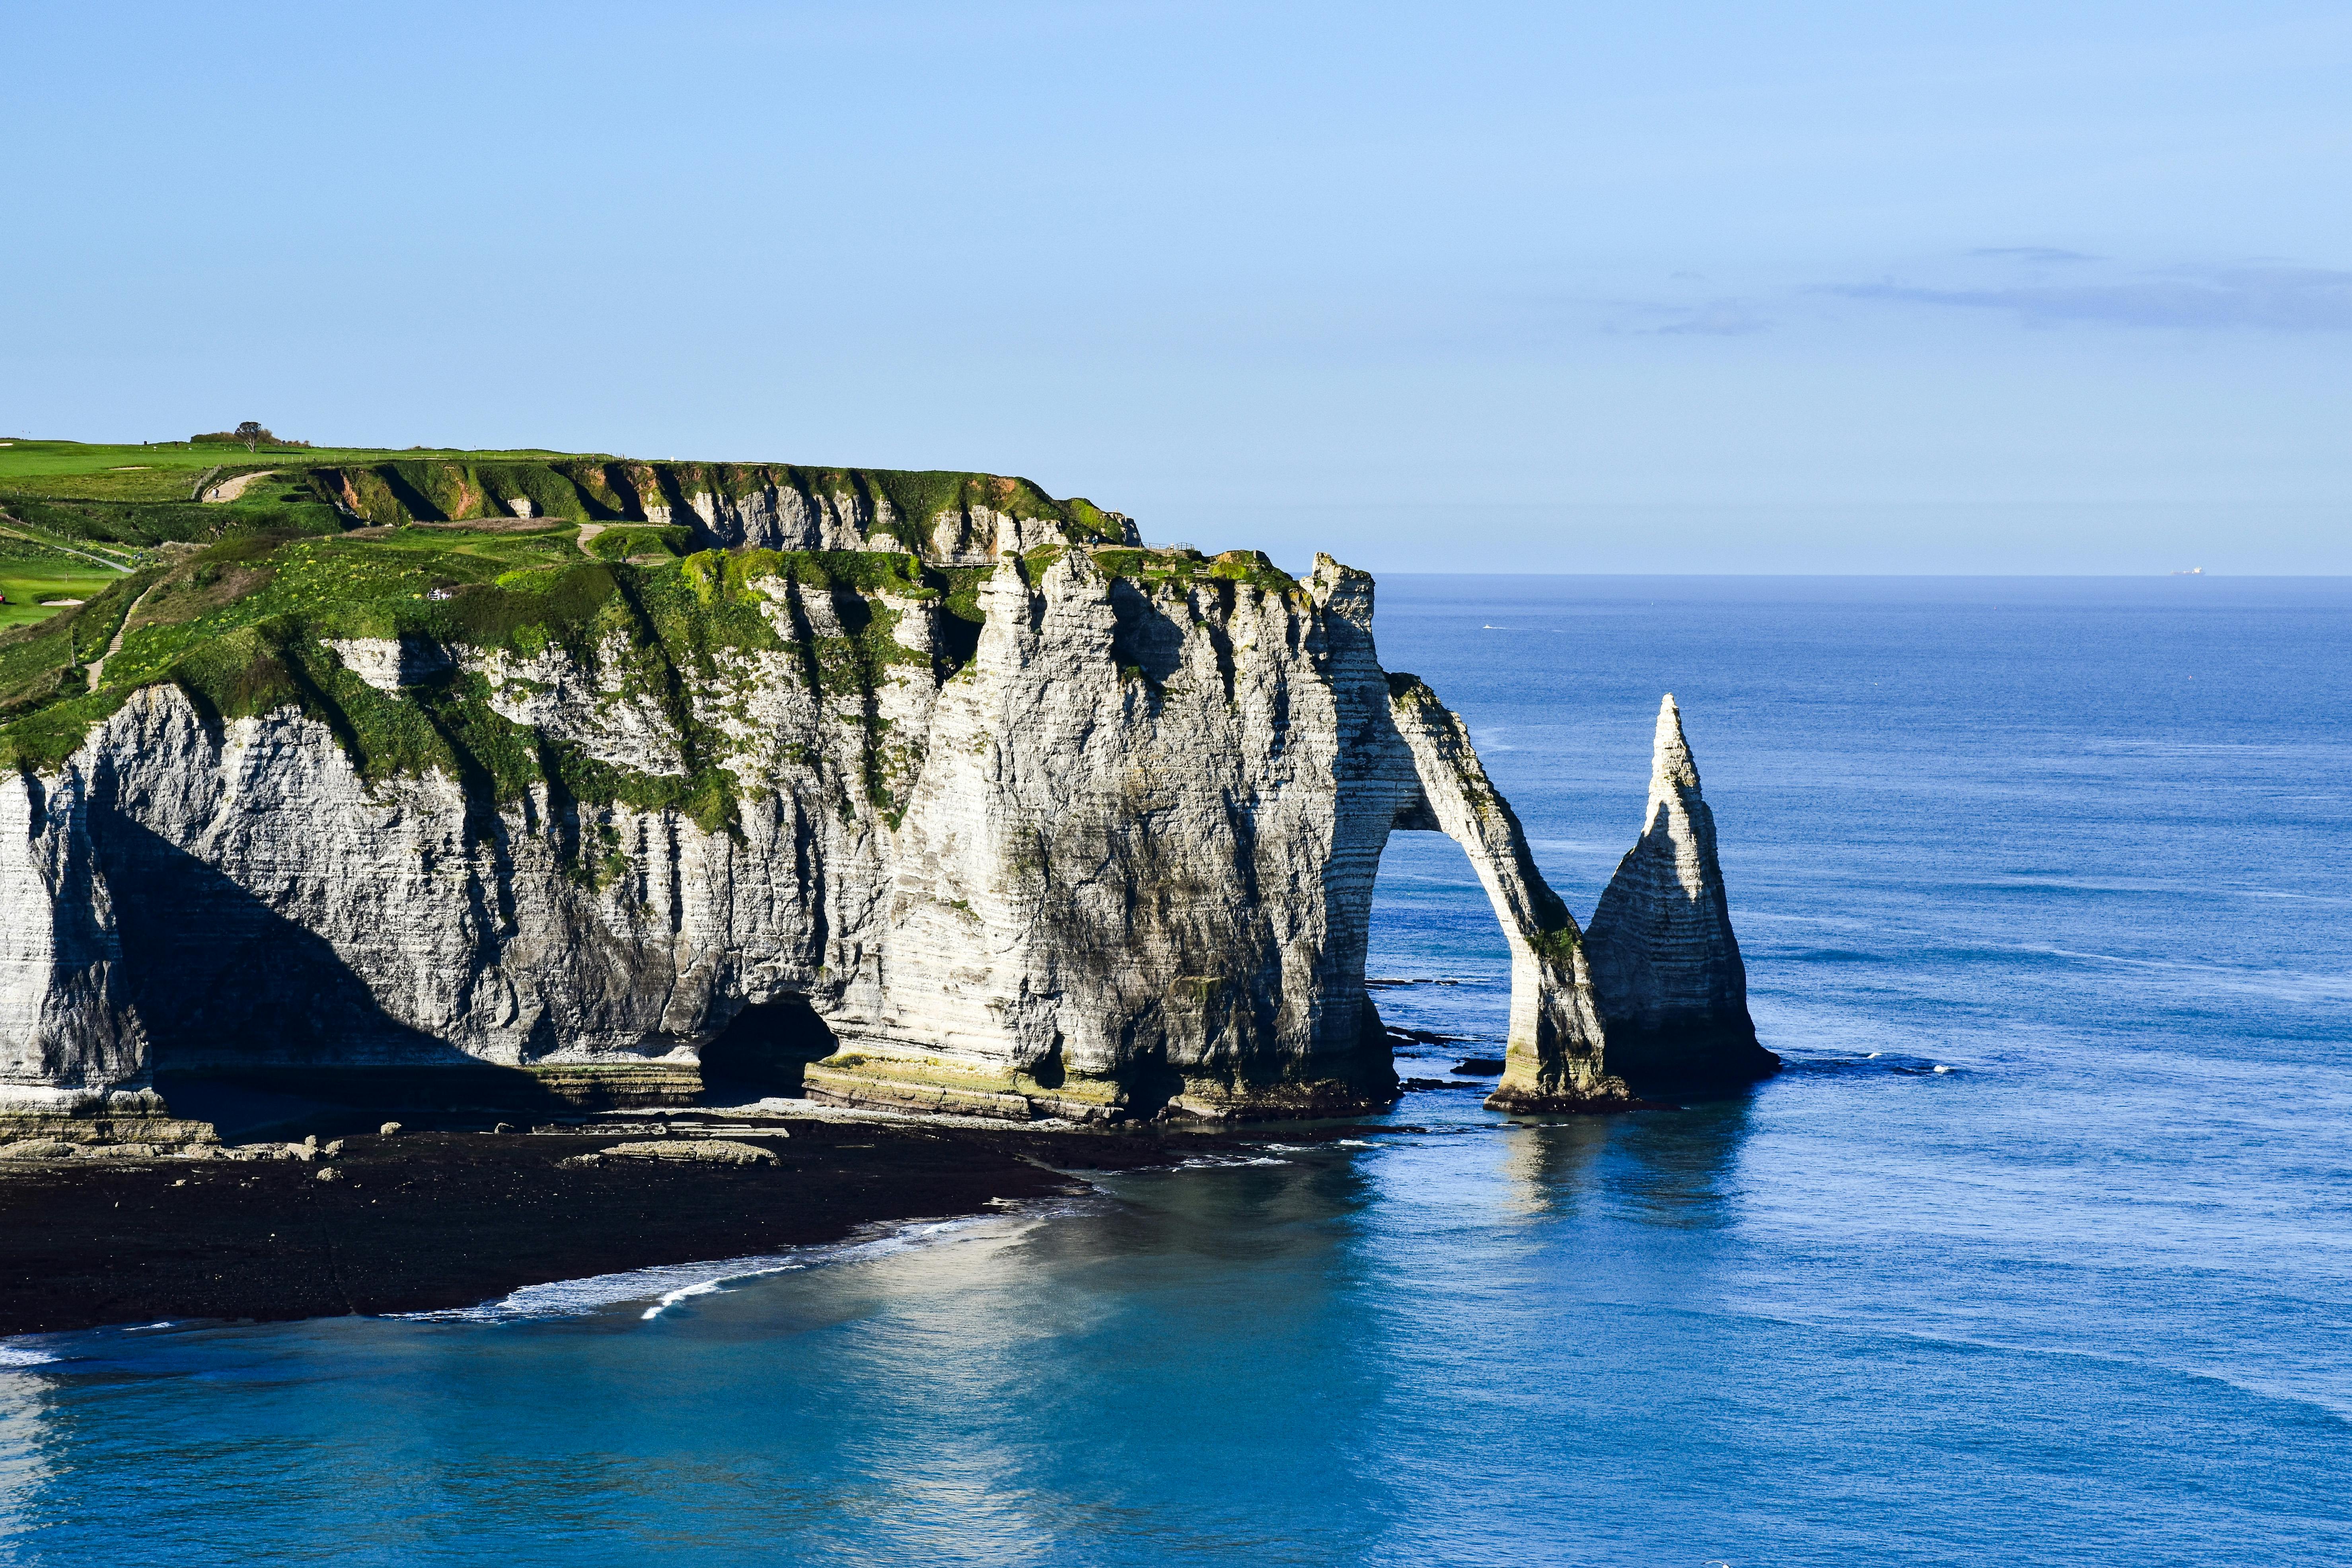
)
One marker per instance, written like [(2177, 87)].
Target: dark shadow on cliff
[(219, 977), (240, 1002), (1145, 639)]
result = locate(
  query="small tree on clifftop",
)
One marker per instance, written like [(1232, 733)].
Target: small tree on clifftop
[(251, 433)]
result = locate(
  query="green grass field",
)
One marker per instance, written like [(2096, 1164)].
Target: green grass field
[(169, 470), (28, 582), (139, 496)]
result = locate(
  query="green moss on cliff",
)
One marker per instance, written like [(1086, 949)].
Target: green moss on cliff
[(238, 603), (245, 628), (621, 543), (51, 733), (1186, 567), (902, 506)]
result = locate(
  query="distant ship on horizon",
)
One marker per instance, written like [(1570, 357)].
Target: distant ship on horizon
[(2192, 572)]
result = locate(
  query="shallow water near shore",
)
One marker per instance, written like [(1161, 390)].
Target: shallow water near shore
[(2039, 1251)]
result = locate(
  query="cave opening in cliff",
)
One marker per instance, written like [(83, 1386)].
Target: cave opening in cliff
[(1435, 962), (764, 1049)]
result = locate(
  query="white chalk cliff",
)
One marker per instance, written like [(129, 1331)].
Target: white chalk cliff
[(1116, 862)]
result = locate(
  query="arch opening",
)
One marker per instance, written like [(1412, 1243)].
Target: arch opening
[(1437, 965)]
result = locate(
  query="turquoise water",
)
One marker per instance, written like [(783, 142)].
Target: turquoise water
[(2085, 1296)]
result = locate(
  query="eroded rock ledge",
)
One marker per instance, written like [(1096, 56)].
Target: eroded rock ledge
[(1115, 859)]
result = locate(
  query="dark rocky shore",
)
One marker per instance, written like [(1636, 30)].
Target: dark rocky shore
[(451, 1218)]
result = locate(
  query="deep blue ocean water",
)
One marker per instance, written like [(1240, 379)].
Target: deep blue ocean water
[(2085, 1296)]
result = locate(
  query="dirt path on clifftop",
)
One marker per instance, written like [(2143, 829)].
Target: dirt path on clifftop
[(229, 490), (98, 665)]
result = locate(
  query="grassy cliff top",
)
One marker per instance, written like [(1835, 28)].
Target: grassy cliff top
[(131, 496), (249, 624), (125, 567)]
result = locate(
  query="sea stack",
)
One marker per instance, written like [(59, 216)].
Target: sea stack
[(1667, 970)]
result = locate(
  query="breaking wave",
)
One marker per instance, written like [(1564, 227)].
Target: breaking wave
[(668, 1285)]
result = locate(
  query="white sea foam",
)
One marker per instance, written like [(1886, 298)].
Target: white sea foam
[(1941, 1068), (18, 1356), (669, 1285), (706, 1287)]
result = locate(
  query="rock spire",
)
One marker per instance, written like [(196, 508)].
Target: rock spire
[(1667, 970)]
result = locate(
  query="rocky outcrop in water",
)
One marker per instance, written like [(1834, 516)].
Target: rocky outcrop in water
[(1114, 859), (1665, 968)]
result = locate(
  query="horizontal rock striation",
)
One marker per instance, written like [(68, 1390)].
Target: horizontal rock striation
[(1099, 841)]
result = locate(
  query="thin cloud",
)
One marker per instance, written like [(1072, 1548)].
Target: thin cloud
[(2262, 299), (1716, 318), (1721, 318), (2039, 253)]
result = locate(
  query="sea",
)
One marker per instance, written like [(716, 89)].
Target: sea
[(2038, 1251)]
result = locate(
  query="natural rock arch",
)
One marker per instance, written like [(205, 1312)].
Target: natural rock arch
[(1655, 993)]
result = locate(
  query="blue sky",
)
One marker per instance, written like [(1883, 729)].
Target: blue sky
[(1743, 288)]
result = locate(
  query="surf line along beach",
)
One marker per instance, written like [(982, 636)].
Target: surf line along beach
[(421, 1220)]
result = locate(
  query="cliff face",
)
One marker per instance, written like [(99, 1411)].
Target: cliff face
[(1116, 855), (70, 1039)]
